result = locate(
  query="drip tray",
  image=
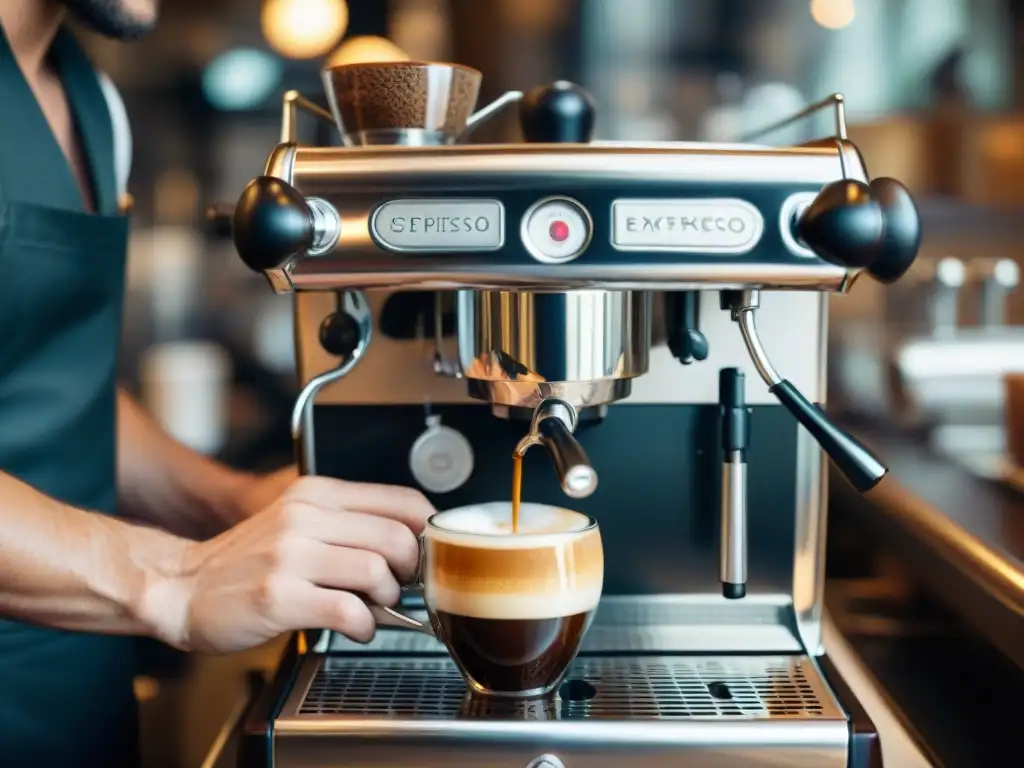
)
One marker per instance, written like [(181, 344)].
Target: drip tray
[(640, 688), (647, 711)]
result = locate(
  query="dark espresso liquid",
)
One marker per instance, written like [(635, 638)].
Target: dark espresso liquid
[(513, 655), (517, 489)]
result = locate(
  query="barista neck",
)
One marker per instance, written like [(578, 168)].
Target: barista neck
[(29, 28)]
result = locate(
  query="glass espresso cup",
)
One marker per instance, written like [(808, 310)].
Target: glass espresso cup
[(512, 609)]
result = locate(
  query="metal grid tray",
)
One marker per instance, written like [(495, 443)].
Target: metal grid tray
[(603, 687)]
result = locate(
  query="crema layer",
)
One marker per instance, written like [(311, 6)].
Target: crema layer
[(554, 568)]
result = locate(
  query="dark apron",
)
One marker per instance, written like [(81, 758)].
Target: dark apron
[(66, 698)]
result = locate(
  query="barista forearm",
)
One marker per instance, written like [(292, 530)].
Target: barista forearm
[(160, 481), (66, 568)]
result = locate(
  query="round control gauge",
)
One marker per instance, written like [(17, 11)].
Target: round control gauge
[(441, 459), (556, 230)]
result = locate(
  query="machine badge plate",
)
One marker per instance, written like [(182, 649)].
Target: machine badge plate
[(433, 225), (721, 225)]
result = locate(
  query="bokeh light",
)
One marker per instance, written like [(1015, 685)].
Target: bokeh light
[(241, 79), (833, 14), (366, 49), (304, 29)]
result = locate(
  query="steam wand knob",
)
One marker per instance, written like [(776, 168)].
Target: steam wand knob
[(272, 224), (858, 464), (560, 113), (857, 225)]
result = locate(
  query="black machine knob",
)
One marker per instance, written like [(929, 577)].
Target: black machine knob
[(844, 224), (560, 113), (339, 334), (272, 224), (856, 225), (901, 237), (685, 340)]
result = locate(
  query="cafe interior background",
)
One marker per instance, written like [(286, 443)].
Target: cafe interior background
[(934, 92)]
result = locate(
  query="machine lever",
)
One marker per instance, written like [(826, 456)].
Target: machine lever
[(554, 422), (560, 113), (272, 224), (853, 459), (735, 440), (856, 225)]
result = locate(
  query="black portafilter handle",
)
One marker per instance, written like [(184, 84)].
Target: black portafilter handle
[(874, 226), (858, 464), (272, 224), (560, 113)]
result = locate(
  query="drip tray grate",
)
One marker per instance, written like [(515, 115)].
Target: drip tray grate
[(637, 688)]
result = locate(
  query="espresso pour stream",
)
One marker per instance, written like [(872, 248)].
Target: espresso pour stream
[(517, 489)]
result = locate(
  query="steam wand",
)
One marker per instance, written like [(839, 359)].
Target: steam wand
[(861, 467), (732, 558), (552, 426)]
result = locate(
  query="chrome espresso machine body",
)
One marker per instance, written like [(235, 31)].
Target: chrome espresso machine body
[(597, 300)]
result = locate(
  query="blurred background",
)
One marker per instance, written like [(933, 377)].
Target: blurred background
[(934, 96)]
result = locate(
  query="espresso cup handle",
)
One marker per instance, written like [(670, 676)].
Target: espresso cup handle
[(388, 617)]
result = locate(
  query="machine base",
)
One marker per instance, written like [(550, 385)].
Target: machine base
[(402, 710)]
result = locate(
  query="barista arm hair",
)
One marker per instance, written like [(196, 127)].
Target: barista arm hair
[(162, 482), (66, 568)]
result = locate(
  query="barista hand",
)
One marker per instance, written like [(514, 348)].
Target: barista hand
[(302, 563)]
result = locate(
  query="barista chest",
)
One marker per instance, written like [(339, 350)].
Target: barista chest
[(56, 109)]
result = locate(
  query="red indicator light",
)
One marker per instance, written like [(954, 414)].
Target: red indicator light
[(559, 231)]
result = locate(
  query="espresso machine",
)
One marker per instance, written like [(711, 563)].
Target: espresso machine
[(653, 319)]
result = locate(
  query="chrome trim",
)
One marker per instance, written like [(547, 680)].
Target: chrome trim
[(811, 523), (528, 394), (329, 274), (488, 111), (743, 314), (294, 101), (404, 137), (835, 101), (326, 225), (279, 280), (732, 558), (462, 166), (302, 424), (530, 340), (281, 163), (792, 208)]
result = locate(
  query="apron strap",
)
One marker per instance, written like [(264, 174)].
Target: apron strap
[(122, 134)]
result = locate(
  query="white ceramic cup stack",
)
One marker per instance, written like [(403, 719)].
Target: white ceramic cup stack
[(186, 386)]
